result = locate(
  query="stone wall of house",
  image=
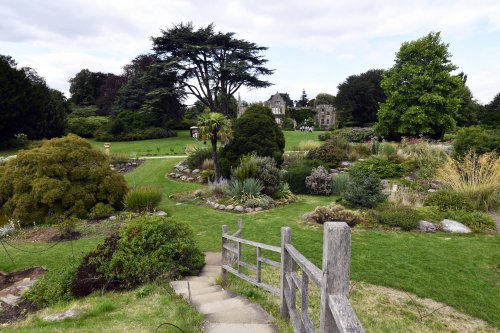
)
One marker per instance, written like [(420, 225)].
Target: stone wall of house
[(325, 116)]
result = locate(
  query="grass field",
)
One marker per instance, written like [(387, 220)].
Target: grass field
[(461, 271), (177, 145)]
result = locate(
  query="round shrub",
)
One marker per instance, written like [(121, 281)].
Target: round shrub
[(147, 247), (333, 213), (404, 217), (86, 126), (477, 139), (449, 200), (319, 182), (331, 152), (268, 173), (64, 176), (364, 190), (143, 198), (355, 134)]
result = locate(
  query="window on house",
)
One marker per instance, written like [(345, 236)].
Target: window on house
[(322, 121)]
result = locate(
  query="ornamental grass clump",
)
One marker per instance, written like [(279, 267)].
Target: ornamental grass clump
[(476, 176), (333, 213), (247, 189), (143, 198)]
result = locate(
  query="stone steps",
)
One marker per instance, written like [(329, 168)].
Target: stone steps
[(224, 312)]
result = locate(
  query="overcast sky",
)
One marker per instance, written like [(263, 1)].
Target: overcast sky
[(313, 45)]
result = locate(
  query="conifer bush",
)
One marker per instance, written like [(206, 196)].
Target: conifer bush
[(63, 176)]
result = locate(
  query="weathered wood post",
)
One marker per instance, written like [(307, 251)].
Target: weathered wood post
[(336, 263), (223, 260), (286, 238)]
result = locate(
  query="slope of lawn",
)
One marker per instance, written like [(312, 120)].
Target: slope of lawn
[(458, 270), (293, 138)]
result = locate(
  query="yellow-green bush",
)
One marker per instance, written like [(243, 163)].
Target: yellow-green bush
[(63, 176)]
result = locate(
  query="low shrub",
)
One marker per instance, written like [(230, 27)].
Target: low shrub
[(358, 150), (325, 136), (355, 134), (241, 191), (86, 126), (246, 169), (332, 152), (148, 247), (406, 196), (196, 157), (332, 213), (268, 173), (264, 202), (476, 139), (475, 176), (7, 229), (208, 164), (339, 183), (386, 149), (403, 217), (364, 190), (384, 168), (284, 191), (54, 286), (100, 210), (449, 200), (143, 198), (477, 221), (296, 175), (118, 158), (104, 133), (319, 181), (218, 188)]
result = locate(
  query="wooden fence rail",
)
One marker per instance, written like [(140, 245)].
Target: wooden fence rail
[(336, 313)]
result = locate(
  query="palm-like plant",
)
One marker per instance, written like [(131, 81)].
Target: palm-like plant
[(214, 126)]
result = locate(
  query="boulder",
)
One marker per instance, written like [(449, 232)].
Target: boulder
[(239, 208), (229, 207), (346, 164), (184, 178), (10, 299), (161, 213), (248, 210), (426, 226), (215, 205), (187, 170), (190, 179), (222, 207), (112, 218), (455, 227), (63, 315), (196, 171), (258, 209)]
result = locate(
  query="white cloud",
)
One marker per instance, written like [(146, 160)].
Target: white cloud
[(314, 45)]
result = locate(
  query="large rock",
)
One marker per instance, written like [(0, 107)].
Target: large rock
[(238, 208), (63, 315), (161, 213), (455, 227), (229, 207), (426, 226), (196, 171)]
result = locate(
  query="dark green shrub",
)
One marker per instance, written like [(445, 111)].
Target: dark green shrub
[(331, 152), (54, 286), (65, 176), (333, 213), (256, 131), (114, 132), (325, 136), (477, 139), (197, 156), (404, 217), (296, 175), (384, 168), (319, 181), (364, 190), (449, 200), (143, 198), (148, 247)]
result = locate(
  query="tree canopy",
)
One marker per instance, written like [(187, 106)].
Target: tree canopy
[(358, 98), (420, 90), (211, 65), (27, 104), (324, 98)]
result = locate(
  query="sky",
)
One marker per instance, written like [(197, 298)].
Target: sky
[(313, 45)]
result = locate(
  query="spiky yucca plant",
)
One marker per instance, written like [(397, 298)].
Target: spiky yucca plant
[(477, 176)]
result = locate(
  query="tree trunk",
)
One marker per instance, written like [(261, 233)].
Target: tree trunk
[(213, 140)]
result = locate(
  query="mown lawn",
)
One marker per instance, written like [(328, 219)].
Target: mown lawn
[(458, 270)]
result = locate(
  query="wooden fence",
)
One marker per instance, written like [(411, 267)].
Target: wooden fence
[(336, 314)]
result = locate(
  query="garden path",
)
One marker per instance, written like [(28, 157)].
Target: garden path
[(224, 311)]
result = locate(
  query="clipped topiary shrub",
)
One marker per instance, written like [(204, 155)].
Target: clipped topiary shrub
[(148, 247), (403, 217), (364, 190), (64, 176), (449, 200), (332, 213), (143, 198), (319, 182)]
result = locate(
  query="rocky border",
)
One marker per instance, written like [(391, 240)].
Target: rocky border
[(183, 173)]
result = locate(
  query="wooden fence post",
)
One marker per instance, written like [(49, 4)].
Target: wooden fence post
[(223, 260), (286, 238), (336, 264)]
